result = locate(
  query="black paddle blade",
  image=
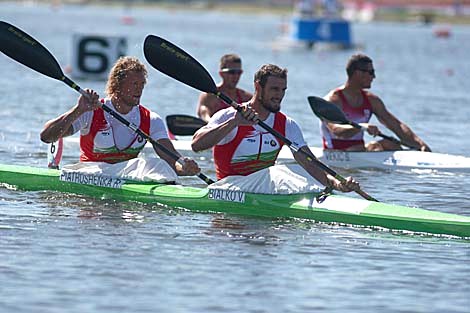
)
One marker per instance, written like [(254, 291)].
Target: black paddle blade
[(183, 125), (26, 50), (326, 110), (176, 63)]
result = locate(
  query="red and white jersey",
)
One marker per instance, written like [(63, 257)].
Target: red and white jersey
[(247, 149), (221, 104), (105, 139), (360, 114)]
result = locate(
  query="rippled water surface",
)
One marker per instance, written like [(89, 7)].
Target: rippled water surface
[(63, 253)]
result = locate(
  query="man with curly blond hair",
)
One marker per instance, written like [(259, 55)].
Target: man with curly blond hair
[(105, 139)]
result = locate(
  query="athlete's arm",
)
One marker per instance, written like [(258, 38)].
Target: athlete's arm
[(208, 136), (319, 174), (189, 166), (339, 130), (394, 124), (206, 106), (211, 134), (62, 125)]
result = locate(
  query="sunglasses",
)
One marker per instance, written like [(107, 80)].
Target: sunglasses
[(232, 71), (371, 72)]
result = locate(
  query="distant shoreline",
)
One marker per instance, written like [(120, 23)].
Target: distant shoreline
[(392, 14)]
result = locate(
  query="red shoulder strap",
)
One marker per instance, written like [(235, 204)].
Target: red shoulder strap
[(144, 119)]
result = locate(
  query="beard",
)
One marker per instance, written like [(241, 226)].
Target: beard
[(268, 106), (271, 108)]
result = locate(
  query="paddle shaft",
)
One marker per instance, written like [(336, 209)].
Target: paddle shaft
[(392, 139), (294, 147), (136, 129)]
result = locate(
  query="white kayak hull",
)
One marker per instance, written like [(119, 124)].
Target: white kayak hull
[(386, 160), (389, 160)]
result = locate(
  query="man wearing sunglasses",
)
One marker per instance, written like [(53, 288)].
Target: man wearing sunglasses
[(358, 105), (230, 70)]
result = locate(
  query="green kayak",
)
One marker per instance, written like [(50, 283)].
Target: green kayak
[(334, 209)]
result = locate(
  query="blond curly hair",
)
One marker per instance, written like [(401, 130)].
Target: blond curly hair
[(121, 68)]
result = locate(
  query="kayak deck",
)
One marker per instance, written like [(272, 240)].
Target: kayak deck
[(335, 209)]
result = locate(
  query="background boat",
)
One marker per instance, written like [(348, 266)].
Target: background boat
[(405, 160)]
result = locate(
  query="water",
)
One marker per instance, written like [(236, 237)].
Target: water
[(64, 253)]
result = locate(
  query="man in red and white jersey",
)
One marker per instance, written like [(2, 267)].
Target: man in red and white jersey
[(105, 139), (358, 106), (230, 69), (242, 147)]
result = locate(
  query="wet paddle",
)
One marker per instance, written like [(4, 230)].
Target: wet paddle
[(26, 50), (176, 63), (326, 110), (183, 125)]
